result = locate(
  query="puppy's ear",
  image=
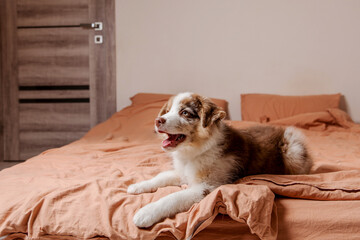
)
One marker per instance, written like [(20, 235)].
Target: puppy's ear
[(166, 107), (163, 109), (211, 113)]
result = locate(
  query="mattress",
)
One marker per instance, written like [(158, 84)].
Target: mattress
[(79, 191)]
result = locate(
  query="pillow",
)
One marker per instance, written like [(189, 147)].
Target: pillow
[(269, 107), (146, 98)]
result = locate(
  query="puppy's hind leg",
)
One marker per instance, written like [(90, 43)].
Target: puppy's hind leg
[(168, 178), (169, 205)]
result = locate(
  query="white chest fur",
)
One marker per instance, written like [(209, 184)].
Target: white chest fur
[(207, 168)]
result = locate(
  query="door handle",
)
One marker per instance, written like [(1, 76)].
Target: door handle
[(97, 26)]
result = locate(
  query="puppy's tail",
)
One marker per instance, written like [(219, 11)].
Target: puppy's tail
[(296, 157)]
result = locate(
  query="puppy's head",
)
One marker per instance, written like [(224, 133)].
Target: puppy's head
[(187, 119)]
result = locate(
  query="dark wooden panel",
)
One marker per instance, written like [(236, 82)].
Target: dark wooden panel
[(33, 143), (54, 117), (9, 77), (4, 165), (50, 12), (54, 94), (2, 5), (53, 56)]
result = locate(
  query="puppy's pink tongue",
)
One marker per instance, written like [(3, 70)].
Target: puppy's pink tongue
[(170, 142), (166, 143)]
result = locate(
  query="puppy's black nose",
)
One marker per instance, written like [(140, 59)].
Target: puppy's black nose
[(159, 121)]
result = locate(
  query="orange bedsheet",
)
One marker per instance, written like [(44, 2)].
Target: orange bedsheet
[(79, 191)]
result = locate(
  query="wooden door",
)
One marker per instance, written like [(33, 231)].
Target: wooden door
[(57, 82)]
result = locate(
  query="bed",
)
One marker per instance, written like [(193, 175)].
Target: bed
[(79, 191)]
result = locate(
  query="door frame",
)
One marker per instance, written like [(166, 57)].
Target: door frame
[(103, 100), (8, 81), (102, 62)]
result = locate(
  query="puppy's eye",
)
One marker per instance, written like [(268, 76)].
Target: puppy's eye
[(186, 113)]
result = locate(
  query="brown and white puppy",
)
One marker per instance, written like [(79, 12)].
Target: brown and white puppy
[(208, 153)]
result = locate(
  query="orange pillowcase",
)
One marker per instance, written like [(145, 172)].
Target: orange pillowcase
[(147, 98), (269, 107)]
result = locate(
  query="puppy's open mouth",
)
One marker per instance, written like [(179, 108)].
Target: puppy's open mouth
[(173, 140)]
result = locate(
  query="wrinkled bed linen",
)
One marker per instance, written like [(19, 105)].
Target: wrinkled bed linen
[(79, 191)]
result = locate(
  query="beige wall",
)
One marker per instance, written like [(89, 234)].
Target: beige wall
[(222, 48)]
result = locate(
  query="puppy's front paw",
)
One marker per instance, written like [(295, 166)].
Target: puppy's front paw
[(147, 216), (134, 189), (141, 187)]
